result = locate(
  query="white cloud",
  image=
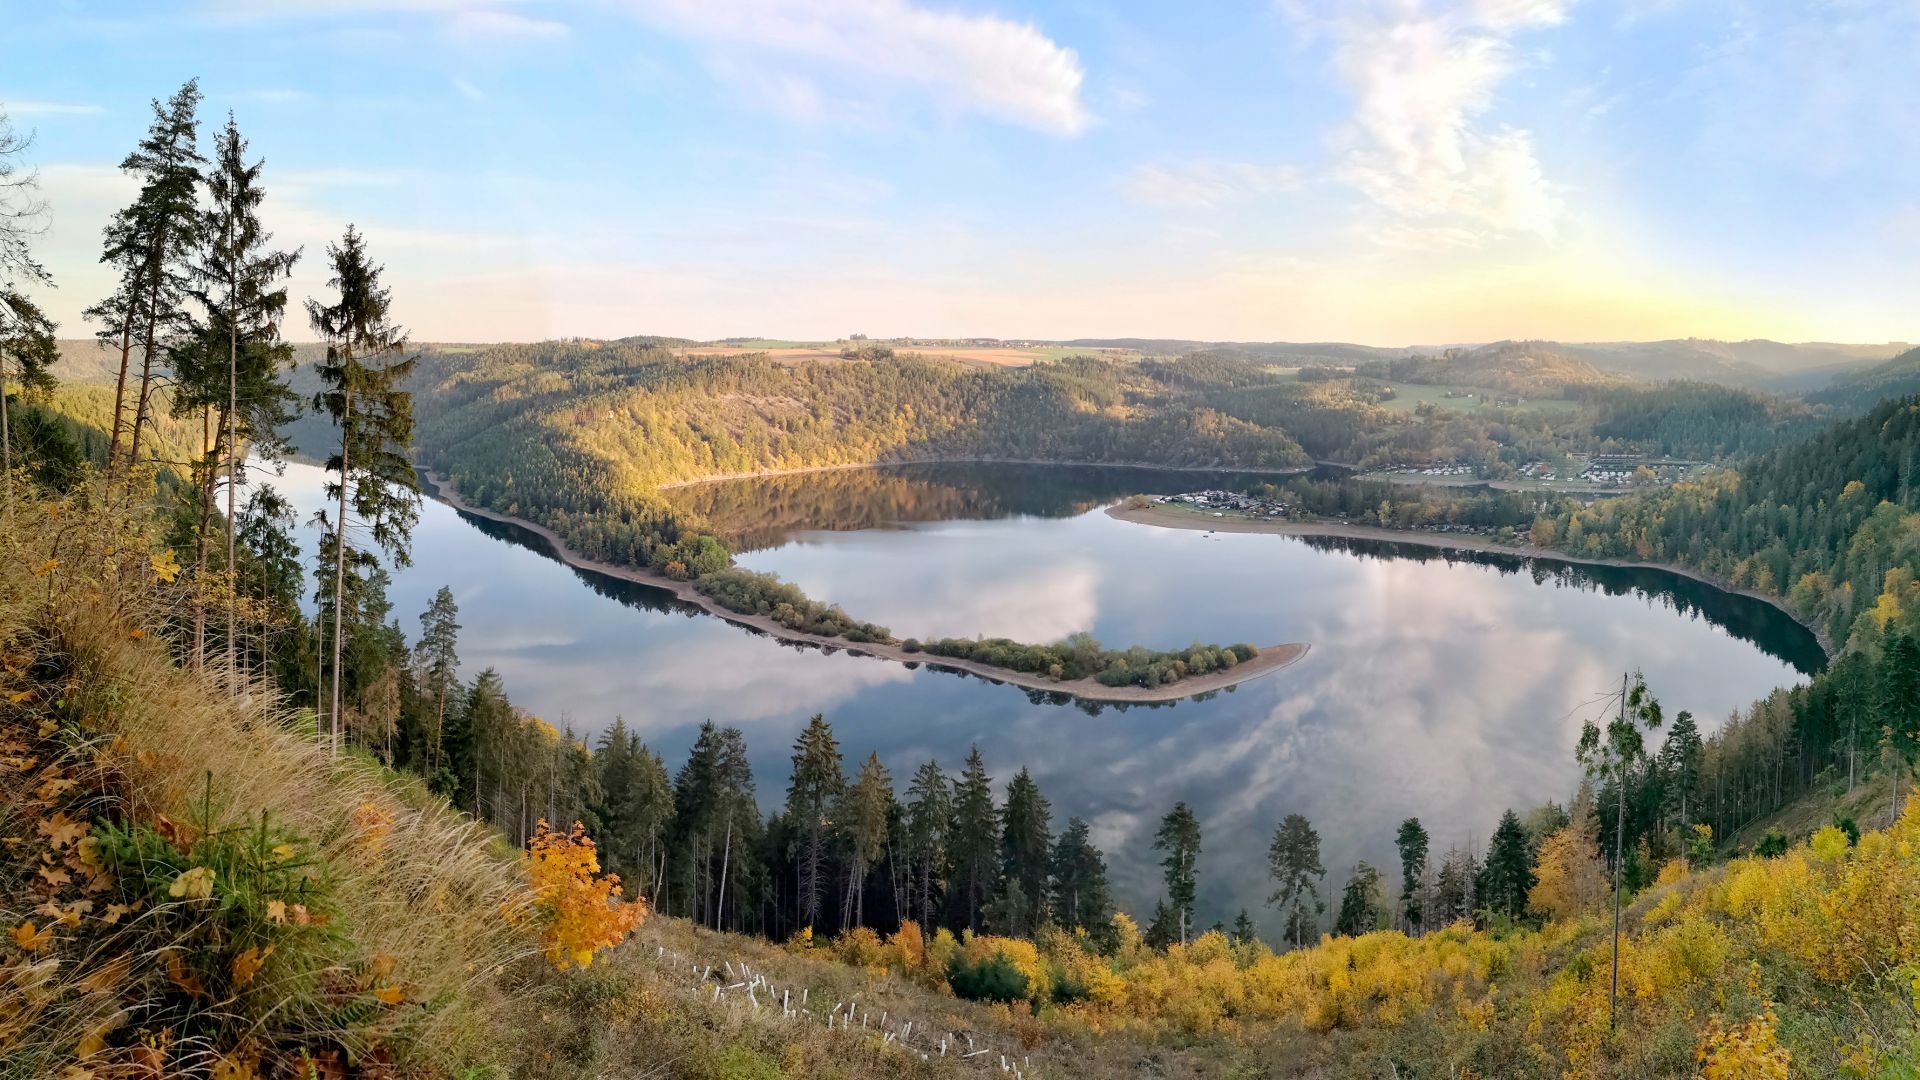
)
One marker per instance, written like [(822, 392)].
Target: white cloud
[(971, 63), (484, 25), (1207, 184), (48, 108), (469, 91), (1423, 74)]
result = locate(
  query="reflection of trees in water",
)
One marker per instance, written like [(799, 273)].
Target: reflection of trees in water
[(1747, 618), (764, 512), (631, 593)]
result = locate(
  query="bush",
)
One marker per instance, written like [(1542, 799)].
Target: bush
[(995, 979)]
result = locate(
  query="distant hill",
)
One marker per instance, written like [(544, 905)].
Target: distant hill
[(1858, 391), (1532, 368)]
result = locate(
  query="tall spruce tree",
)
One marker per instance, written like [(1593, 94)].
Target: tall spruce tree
[(1026, 842), (147, 244), (1359, 902), (1680, 759), (1179, 842), (1411, 841), (1082, 898), (734, 805), (812, 796), (436, 661), (230, 362), (865, 810), (364, 369), (929, 817), (1293, 861), (1507, 875), (974, 843)]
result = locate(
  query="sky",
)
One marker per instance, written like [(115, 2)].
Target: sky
[(1391, 172)]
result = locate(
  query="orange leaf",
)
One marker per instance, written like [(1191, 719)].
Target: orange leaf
[(30, 939), (61, 829), (248, 963), (184, 977), (390, 995)]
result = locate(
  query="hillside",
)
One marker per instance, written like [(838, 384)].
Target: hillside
[(1532, 368), (1858, 391)]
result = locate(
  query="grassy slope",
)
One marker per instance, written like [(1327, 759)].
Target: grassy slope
[(99, 728)]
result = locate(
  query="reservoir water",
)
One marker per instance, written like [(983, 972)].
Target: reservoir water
[(1444, 686)]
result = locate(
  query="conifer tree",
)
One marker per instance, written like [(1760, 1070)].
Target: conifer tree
[(147, 244), (1026, 841), (1680, 767), (1082, 898), (437, 661), (1411, 841), (1244, 932), (1507, 875), (1293, 860), (1612, 756), (974, 843), (812, 795), (863, 815), (362, 374), (1179, 840), (734, 804), (1359, 902), (229, 365), (929, 817)]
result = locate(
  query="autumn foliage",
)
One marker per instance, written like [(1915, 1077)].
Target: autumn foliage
[(579, 910)]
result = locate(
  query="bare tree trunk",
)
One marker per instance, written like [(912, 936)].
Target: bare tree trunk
[(233, 470), (340, 572), (120, 390), (1619, 846), (6, 442), (726, 858), (205, 481)]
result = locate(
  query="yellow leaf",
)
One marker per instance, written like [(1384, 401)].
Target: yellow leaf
[(277, 912), (193, 884), (183, 976), (248, 963), (390, 995), (62, 830), (47, 567), (164, 566), (283, 852), (381, 967), (30, 939), (136, 633), (17, 698)]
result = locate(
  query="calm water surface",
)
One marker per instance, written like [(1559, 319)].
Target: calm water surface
[(1447, 688)]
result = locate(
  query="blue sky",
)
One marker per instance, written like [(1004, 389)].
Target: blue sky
[(1386, 171)]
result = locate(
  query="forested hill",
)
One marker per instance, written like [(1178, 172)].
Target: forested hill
[(1855, 391), (579, 435), (1828, 522)]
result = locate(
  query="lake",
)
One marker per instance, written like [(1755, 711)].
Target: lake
[(1444, 686)]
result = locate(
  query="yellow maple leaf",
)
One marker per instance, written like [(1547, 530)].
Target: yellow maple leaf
[(247, 964), (113, 913), (55, 877), (390, 995), (29, 938), (164, 566), (277, 912), (195, 883)]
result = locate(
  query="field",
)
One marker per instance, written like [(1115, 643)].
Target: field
[(1408, 396)]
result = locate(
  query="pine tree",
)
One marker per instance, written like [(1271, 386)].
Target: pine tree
[(974, 841), (229, 364), (1507, 875), (1680, 767), (1164, 928), (1412, 844), (1179, 839), (436, 659), (863, 815), (363, 372), (147, 243), (734, 805), (812, 795), (697, 813), (1082, 898), (1359, 902), (1026, 841), (1244, 932), (929, 816), (1613, 755), (1293, 861)]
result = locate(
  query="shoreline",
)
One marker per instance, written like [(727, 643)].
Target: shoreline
[(762, 474), (1270, 658), (1164, 518)]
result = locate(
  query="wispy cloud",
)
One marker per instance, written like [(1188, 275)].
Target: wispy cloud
[(1207, 184), (877, 48), (48, 108), (1424, 73), (487, 25)]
